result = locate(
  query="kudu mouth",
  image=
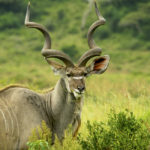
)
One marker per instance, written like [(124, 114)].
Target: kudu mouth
[(77, 91), (77, 94)]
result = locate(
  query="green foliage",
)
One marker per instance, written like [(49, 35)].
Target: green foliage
[(122, 132), (6, 6), (127, 27), (12, 13), (71, 50), (41, 140), (138, 20), (38, 145), (123, 17), (9, 20), (68, 143)]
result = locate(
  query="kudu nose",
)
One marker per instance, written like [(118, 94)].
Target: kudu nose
[(81, 88)]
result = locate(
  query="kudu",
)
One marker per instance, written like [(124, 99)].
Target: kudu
[(22, 110)]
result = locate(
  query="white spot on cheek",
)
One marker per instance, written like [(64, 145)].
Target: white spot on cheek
[(77, 95), (77, 91)]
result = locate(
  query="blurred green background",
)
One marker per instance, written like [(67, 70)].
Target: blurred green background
[(125, 37)]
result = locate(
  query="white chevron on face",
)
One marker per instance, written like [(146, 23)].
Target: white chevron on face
[(78, 77)]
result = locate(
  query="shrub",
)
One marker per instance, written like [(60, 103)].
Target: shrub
[(68, 143), (122, 132), (41, 140), (9, 20), (38, 145)]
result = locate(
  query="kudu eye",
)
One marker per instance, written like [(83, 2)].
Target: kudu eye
[(85, 74), (68, 75)]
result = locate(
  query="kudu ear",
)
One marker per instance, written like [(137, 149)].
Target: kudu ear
[(56, 67), (99, 65)]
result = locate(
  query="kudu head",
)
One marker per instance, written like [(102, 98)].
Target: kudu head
[(73, 74)]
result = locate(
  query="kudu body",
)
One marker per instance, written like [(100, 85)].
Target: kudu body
[(22, 110)]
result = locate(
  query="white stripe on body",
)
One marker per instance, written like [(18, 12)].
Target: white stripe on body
[(11, 114), (12, 123), (16, 121), (5, 121)]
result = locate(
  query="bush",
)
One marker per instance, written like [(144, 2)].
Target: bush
[(9, 20), (41, 140), (38, 145), (122, 132)]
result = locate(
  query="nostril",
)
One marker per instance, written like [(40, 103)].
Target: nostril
[(81, 88)]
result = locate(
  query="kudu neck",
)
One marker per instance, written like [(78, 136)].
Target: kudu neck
[(61, 106), (60, 94), (57, 99)]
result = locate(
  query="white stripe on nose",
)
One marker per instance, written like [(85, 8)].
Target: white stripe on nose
[(78, 78)]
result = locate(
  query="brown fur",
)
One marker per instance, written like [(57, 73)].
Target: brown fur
[(11, 86), (99, 63), (21, 86), (76, 131)]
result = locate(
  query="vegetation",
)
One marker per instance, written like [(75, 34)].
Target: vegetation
[(41, 140), (121, 132), (125, 37)]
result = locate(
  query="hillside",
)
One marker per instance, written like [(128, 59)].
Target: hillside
[(124, 37)]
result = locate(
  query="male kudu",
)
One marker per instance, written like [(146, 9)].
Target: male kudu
[(22, 109)]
